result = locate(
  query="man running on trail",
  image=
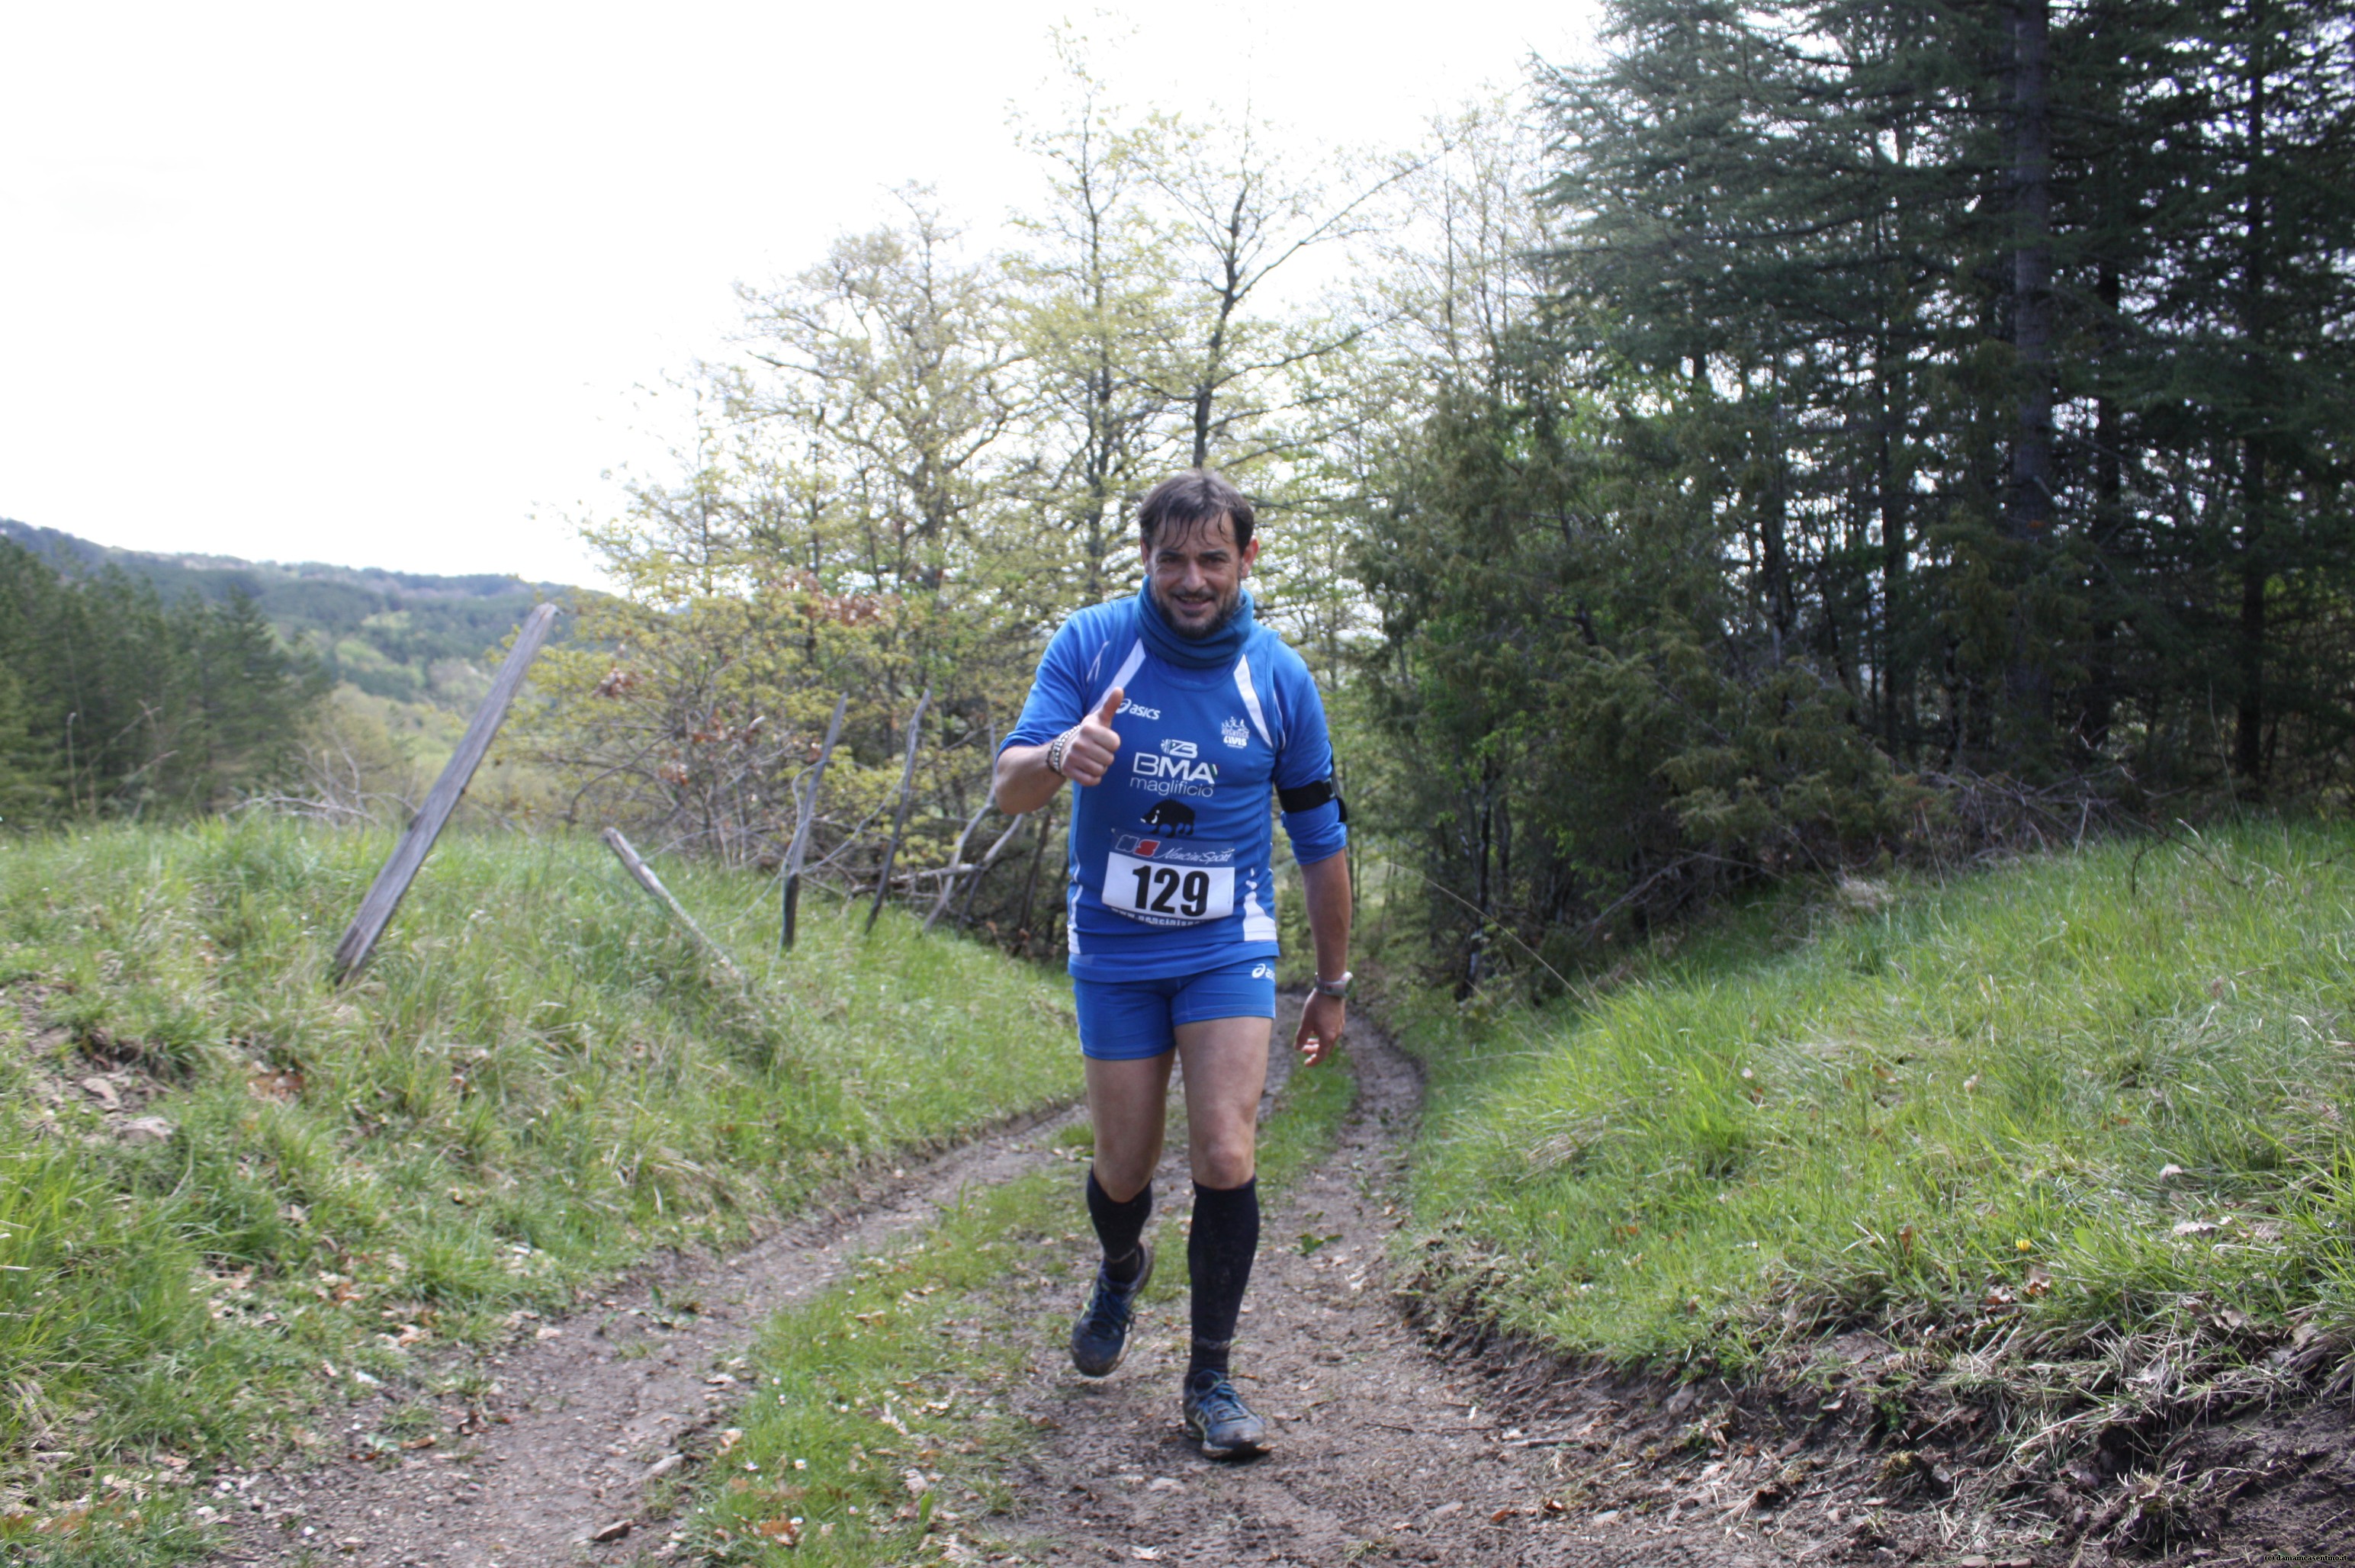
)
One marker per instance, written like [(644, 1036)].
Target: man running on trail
[(1176, 714)]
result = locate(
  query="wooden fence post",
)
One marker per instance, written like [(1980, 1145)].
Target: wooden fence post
[(409, 856), (956, 856), (789, 901), (981, 868), (1037, 860), (956, 860), (900, 817), (646, 877)]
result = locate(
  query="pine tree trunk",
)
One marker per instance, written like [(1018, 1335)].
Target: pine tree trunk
[(2109, 495), (2248, 747), (1892, 559), (2030, 505)]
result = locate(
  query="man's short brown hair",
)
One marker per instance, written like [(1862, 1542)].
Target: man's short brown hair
[(1197, 496)]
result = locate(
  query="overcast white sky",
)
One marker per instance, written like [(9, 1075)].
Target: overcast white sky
[(378, 284)]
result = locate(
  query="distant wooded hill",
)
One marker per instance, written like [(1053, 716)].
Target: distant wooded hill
[(409, 637)]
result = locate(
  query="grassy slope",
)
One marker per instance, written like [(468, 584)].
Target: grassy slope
[(2073, 1129), (536, 1080)]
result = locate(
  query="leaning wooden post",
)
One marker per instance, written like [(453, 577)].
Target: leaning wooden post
[(789, 901), (900, 817), (973, 882), (384, 895), (956, 856), (949, 878), (653, 884), (1037, 860)]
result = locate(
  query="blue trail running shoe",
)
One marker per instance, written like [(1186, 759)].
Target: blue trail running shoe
[(1100, 1335), (1216, 1418)]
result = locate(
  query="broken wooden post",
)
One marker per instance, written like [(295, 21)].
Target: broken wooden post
[(956, 856), (653, 884), (973, 883), (956, 862), (1037, 860), (900, 817), (789, 903), (385, 893)]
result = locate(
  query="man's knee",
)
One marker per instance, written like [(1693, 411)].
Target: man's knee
[(1124, 1170), (1120, 1181), (1225, 1158)]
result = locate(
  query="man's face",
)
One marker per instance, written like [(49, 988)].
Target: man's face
[(1196, 573)]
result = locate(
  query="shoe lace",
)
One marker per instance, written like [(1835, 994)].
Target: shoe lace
[(1108, 1309), (1220, 1403)]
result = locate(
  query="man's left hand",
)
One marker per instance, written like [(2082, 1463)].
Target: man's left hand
[(1321, 1018)]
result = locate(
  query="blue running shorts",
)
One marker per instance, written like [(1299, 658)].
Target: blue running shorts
[(1129, 1020)]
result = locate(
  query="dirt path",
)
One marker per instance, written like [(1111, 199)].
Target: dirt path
[(1385, 1452), (579, 1418)]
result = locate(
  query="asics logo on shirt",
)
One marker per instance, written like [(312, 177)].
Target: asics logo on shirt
[(1128, 707)]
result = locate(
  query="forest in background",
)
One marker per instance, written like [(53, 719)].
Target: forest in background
[(402, 636), (350, 686), (1819, 433), (118, 704), (1814, 433)]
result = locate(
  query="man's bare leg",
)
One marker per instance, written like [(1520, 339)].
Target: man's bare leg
[(1126, 1100), (1226, 1071), (1226, 1068), (1128, 1103)]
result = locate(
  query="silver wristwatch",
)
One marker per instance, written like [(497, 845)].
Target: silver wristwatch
[(1337, 989)]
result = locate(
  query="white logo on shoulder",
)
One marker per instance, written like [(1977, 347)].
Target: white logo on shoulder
[(1175, 748), (1235, 732), (1128, 707)]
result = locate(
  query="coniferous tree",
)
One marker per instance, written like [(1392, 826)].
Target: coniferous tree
[(117, 704)]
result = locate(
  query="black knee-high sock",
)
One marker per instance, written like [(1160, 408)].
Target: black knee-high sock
[(1119, 1226), (1219, 1254)]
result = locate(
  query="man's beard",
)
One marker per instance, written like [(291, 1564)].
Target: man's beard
[(1223, 611)]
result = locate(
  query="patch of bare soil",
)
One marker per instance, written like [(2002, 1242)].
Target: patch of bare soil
[(2277, 1489), (110, 1078), (550, 1467)]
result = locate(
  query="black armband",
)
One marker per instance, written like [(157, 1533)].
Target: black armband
[(1309, 796)]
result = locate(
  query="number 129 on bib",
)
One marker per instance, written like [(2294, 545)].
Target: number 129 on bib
[(1151, 891)]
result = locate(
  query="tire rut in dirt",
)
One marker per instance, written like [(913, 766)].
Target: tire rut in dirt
[(1384, 1452), (583, 1413)]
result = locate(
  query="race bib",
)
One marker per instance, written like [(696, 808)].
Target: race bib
[(1166, 883)]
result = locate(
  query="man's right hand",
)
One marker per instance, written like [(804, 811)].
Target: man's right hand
[(1095, 744)]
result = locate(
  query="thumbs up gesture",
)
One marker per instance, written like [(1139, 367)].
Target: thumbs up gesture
[(1095, 744)]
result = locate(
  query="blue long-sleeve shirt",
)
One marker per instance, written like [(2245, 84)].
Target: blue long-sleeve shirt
[(1170, 869)]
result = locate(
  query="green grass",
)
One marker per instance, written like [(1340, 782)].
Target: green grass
[(536, 1081), (2071, 1130), (898, 1377)]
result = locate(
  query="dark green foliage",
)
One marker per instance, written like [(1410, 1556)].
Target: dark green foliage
[(1868, 453), (1594, 734), (115, 703), (1813, 216)]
